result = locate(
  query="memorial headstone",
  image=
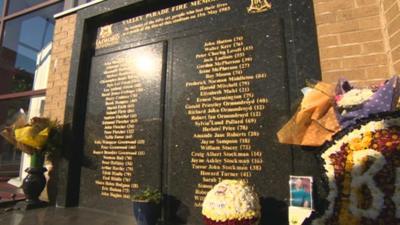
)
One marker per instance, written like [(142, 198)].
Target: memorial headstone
[(186, 96)]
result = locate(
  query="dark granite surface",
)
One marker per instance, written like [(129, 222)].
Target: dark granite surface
[(272, 181), (63, 216), (146, 109)]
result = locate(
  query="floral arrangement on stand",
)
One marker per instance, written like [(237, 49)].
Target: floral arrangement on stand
[(38, 137), (231, 202), (361, 158), (41, 139)]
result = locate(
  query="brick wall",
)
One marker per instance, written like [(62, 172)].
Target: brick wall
[(392, 26), (352, 40), (57, 85)]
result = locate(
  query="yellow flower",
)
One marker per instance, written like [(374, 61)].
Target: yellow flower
[(355, 144), (367, 139), (358, 144), (25, 136)]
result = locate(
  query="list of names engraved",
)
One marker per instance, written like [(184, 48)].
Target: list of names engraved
[(119, 147), (225, 113)]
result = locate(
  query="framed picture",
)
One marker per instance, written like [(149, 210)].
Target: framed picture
[(301, 191)]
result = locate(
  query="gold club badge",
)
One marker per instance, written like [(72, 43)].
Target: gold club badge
[(105, 31), (259, 6)]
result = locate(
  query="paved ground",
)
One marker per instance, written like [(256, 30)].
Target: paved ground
[(61, 216), (9, 193)]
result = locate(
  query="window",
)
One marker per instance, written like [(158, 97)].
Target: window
[(26, 33), (17, 5), (9, 158), (24, 38), (1, 7)]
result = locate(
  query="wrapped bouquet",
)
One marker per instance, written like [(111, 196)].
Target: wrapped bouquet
[(327, 109), (37, 138)]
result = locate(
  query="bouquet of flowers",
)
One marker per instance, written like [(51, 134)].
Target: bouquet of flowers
[(38, 138), (354, 104), (325, 110), (315, 121), (231, 202)]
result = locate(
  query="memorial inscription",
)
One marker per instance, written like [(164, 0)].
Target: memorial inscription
[(123, 124), (121, 88), (228, 96), (168, 17), (224, 112), (173, 15)]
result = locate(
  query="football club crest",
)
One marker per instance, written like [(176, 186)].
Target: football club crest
[(259, 6), (105, 31)]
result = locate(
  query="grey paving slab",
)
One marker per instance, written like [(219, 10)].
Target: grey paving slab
[(63, 216)]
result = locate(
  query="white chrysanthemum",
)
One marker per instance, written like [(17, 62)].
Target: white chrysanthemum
[(231, 200), (355, 97)]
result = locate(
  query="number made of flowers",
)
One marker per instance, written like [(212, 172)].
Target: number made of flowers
[(363, 171), (362, 178)]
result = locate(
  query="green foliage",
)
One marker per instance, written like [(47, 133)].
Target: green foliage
[(147, 195), (54, 144)]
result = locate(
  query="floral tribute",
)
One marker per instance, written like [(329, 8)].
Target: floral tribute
[(231, 202), (363, 171), (39, 137), (362, 160), (327, 109)]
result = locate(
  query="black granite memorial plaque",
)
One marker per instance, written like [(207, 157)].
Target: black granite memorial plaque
[(229, 97), (123, 128), (232, 73)]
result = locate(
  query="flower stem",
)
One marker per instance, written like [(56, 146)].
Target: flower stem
[(37, 160)]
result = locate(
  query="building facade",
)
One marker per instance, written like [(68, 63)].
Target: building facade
[(26, 36), (47, 48)]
